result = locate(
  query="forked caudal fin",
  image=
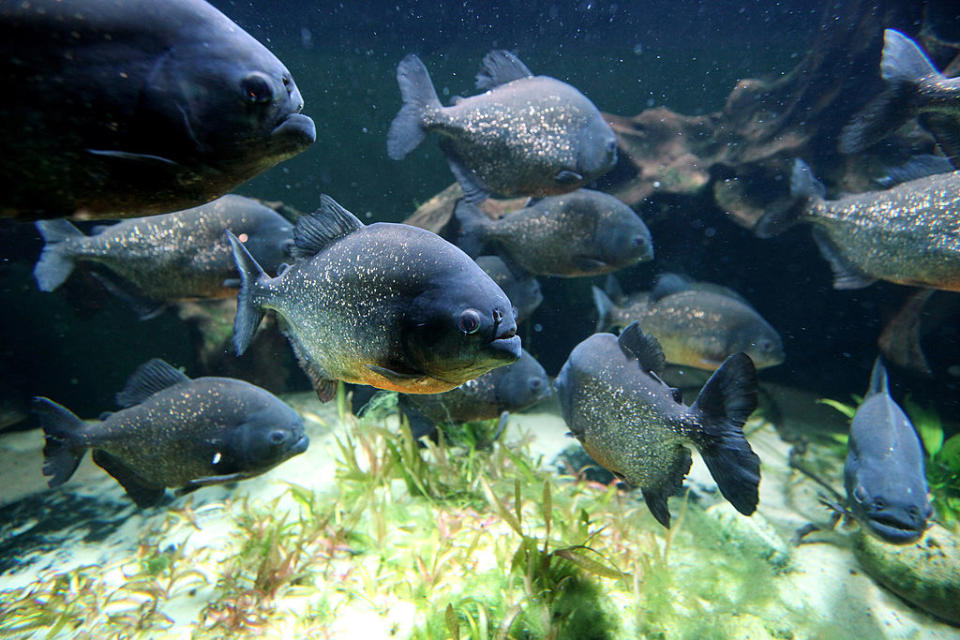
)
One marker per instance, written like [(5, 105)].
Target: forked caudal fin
[(64, 447), (724, 404), (419, 96), (248, 311), (56, 263)]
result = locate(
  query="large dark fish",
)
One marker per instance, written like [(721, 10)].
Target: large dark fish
[(584, 233), (174, 256), (915, 88), (884, 473), (521, 287), (636, 427), (174, 432), (136, 107), (513, 387), (696, 325), (909, 234), (525, 136), (388, 305)]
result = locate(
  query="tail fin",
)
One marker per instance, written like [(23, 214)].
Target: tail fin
[(56, 262), (903, 65), (64, 447), (604, 306), (470, 230), (803, 187), (248, 311), (902, 60), (419, 96), (725, 402)]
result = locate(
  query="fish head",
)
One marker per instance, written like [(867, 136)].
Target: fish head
[(897, 515), (269, 241), (267, 437), (227, 103), (461, 326), (760, 341), (596, 147), (623, 237), (522, 383)]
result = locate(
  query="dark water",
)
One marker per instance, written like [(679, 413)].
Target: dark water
[(79, 344)]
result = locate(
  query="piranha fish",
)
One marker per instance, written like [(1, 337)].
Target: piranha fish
[(525, 136), (521, 287), (512, 387), (174, 256), (135, 107), (174, 432), (907, 234), (884, 472), (915, 88), (583, 233), (697, 324), (387, 305), (635, 426)]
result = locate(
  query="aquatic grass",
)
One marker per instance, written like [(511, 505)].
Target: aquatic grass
[(122, 599)]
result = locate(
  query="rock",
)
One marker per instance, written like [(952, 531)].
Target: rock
[(752, 535), (926, 573)]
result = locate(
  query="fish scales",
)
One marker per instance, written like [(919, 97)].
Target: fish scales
[(909, 234)]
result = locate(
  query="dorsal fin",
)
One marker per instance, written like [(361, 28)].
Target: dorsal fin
[(668, 284), (149, 378), (500, 67), (323, 227), (643, 347), (878, 379)]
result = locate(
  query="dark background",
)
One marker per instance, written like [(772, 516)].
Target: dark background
[(78, 345)]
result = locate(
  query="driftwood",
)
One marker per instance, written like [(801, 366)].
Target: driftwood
[(740, 157)]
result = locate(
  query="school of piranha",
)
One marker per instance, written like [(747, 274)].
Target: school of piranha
[(400, 308)]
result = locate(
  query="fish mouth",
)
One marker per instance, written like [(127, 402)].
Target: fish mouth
[(300, 445), (506, 345), (294, 133), (894, 531)]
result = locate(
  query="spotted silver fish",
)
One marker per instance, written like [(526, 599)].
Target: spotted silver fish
[(909, 234), (584, 233), (525, 136), (174, 256), (636, 427), (174, 432), (388, 305)]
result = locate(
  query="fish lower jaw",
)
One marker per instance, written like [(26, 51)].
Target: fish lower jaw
[(893, 532), (505, 348)]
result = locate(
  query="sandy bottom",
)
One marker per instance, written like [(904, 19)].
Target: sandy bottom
[(89, 528)]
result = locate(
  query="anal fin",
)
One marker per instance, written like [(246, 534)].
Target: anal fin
[(845, 274), (143, 495)]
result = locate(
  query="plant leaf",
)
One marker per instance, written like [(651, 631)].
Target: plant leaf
[(845, 409), (578, 556), (500, 507), (949, 454), (452, 623)]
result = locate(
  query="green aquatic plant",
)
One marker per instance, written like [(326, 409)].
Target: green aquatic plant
[(123, 599), (943, 462)]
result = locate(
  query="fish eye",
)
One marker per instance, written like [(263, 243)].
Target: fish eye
[(256, 89), (277, 437), (860, 494), (469, 321)]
